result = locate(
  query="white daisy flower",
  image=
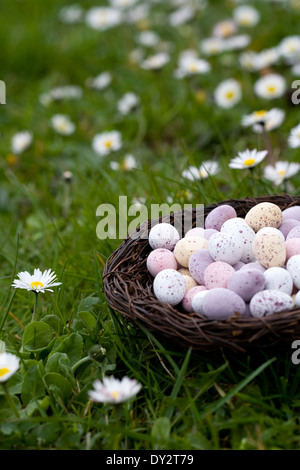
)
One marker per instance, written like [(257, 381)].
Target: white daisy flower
[(281, 171), (36, 282), (247, 159), (101, 81), (236, 42), (62, 124), (122, 3), (129, 162), (206, 169), (191, 173), (21, 141), (148, 38), (112, 390), (9, 364), (102, 18), (289, 47), (246, 15), (224, 28), (137, 13), (71, 14), (128, 103), (294, 137), (228, 93), (66, 92), (262, 119), (270, 86), (190, 65), (114, 166), (107, 142), (212, 46), (182, 15), (156, 61)]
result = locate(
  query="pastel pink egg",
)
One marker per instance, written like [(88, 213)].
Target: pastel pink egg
[(287, 225), (216, 218), (292, 247), (217, 274), (160, 259), (188, 297)]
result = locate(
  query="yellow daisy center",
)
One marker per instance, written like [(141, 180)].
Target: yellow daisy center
[(259, 114), (229, 95), (271, 88), (193, 67), (203, 173), (282, 172), (108, 144), (36, 284), (3, 371), (249, 162), (115, 394)]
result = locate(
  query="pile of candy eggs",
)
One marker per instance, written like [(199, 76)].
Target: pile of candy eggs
[(233, 266)]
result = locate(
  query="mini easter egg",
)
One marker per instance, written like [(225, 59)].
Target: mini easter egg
[(292, 212), (225, 247), (293, 267), (216, 218), (160, 259), (278, 279), (217, 274), (292, 247), (294, 233), (163, 235), (188, 297), (169, 286), (297, 299), (195, 232), (221, 304), (186, 247), (198, 263), (190, 282), (246, 283), (287, 225), (264, 214), (253, 265), (239, 265), (244, 234), (269, 250), (184, 271), (232, 223), (197, 301), (208, 232), (273, 230), (270, 301)]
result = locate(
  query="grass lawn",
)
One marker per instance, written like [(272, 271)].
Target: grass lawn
[(50, 189)]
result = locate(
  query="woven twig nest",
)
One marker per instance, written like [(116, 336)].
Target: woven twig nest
[(128, 288)]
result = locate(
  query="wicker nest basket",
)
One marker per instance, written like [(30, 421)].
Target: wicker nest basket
[(128, 290)]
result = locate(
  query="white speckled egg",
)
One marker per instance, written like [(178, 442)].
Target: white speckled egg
[(216, 218), (231, 223), (169, 286), (264, 214), (269, 250), (221, 304), (245, 235), (186, 247), (197, 301), (163, 235), (225, 247), (270, 301), (278, 279), (293, 267)]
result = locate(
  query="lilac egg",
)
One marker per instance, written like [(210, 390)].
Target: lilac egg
[(291, 213), (294, 233), (208, 232), (195, 232), (216, 218), (221, 304), (253, 265), (270, 301), (198, 263), (217, 274), (246, 283), (225, 247), (163, 235), (278, 279), (287, 225), (188, 297), (160, 259), (169, 286), (239, 265)]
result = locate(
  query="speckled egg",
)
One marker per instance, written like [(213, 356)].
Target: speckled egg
[(188, 297), (246, 283), (291, 213), (186, 247), (232, 223), (208, 232), (197, 301), (221, 304), (238, 265), (278, 279), (293, 267), (217, 274), (216, 218), (190, 282), (292, 247), (264, 214), (163, 235), (270, 301), (225, 247), (287, 225), (245, 235), (273, 230), (269, 250), (169, 286), (198, 263), (294, 233), (195, 232), (253, 265), (160, 259)]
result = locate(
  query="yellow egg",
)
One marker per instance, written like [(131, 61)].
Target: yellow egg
[(269, 250), (186, 247), (190, 282), (265, 214)]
